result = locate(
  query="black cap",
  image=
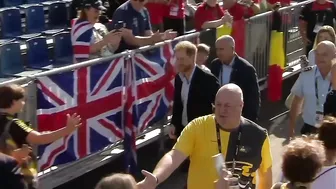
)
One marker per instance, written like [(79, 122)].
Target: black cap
[(97, 4)]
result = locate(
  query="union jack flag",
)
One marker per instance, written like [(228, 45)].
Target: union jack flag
[(95, 93), (116, 100), (150, 93)]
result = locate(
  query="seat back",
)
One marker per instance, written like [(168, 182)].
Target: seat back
[(10, 58), (63, 46), (34, 1), (35, 22), (12, 3), (58, 15), (10, 22), (37, 52)]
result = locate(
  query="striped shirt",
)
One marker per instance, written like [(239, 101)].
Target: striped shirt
[(82, 38)]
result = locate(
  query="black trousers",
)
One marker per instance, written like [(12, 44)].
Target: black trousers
[(308, 129), (177, 25)]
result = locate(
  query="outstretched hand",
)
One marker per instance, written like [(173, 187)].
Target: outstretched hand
[(73, 122), (150, 181)]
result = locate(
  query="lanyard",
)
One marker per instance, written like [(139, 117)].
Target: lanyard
[(323, 19), (219, 143), (316, 90)]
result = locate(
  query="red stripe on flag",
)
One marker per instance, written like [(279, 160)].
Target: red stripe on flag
[(274, 90), (81, 49), (238, 33)]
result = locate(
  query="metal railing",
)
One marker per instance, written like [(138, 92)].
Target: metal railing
[(257, 45)]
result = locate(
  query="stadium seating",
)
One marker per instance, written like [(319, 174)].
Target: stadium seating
[(11, 63), (58, 15), (38, 53), (32, 23), (12, 3), (10, 19), (34, 1), (63, 51), (35, 21)]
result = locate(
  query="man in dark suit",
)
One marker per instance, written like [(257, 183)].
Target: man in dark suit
[(230, 68), (195, 89)]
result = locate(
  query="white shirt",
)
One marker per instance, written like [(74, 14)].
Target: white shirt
[(305, 87), (311, 58), (327, 180), (184, 96), (225, 73)]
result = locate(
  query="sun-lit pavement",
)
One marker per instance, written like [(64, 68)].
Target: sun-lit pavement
[(272, 117)]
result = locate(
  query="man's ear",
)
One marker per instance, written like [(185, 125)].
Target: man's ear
[(213, 108)]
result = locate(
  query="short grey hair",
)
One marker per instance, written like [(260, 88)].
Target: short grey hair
[(228, 39)]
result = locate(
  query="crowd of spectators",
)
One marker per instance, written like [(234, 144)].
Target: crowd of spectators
[(136, 23), (215, 107)]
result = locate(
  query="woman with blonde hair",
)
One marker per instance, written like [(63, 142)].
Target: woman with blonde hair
[(326, 33), (117, 181)]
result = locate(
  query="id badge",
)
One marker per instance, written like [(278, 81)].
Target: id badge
[(173, 10), (319, 118), (317, 27)]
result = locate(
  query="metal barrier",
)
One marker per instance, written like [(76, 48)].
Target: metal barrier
[(257, 39), (256, 52)]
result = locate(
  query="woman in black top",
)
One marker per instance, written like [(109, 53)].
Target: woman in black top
[(330, 103)]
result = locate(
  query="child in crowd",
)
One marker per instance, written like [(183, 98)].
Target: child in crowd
[(203, 52), (117, 181)]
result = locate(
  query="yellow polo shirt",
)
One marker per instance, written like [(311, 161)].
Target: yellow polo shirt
[(198, 140)]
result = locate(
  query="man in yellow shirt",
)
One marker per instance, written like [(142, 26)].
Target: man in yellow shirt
[(244, 144)]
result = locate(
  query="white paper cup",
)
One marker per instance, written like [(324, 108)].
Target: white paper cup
[(219, 163)]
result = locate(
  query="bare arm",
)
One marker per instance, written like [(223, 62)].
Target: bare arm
[(256, 9), (168, 164), (73, 122), (303, 28), (38, 138), (139, 40), (294, 112), (265, 179), (94, 48), (212, 24)]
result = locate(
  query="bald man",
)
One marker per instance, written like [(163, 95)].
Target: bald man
[(311, 89), (244, 145), (231, 68)]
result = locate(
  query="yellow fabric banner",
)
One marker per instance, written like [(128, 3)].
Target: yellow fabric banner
[(223, 30), (277, 54)]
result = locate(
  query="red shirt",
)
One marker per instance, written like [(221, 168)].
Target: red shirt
[(239, 11), (282, 2), (206, 13), (156, 12), (175, 9)]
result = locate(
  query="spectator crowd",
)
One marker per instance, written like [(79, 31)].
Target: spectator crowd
[(217, 140)]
